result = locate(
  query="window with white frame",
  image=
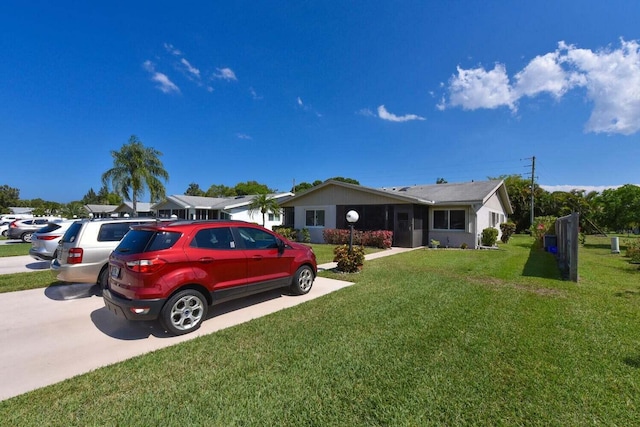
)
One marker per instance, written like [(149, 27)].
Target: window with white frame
[(495, 219), (274, 217), (449, 219), (314, 218)]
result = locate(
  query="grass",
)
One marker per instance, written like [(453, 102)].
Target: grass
[(14, 249), (429, 337)]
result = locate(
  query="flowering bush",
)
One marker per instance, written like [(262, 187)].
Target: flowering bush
[(349, 262), (633, 251), (543, 225), (377, 239)]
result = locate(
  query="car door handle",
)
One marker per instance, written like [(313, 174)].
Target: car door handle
[(206, 260), (257, 257)]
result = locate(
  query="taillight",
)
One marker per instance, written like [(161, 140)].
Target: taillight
[(75, 256), (146, 265), (47, 237)]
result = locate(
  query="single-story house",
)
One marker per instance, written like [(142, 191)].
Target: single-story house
[(126, 209), (100, 211), (453, 214), (236, 208)]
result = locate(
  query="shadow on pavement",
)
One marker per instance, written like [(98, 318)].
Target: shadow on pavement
[(39, 265), (120, 328), (65, 292)]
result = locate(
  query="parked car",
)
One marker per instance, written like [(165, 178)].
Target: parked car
[(44, 242), (23, 229), (83, 250), (174, 272), (4, 228)]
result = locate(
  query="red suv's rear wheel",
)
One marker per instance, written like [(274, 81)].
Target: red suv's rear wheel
[(184, 312)]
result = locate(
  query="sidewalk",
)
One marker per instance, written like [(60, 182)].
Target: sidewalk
[(368, 257)]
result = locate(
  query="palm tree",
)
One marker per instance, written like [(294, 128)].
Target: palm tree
[(134, 168), (264, 203)]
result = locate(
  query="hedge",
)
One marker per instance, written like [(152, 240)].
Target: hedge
[(376, 239)]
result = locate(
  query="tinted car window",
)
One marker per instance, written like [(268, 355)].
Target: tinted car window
[(72, 233), (214, 238), (49, 228), (254, 238), (138, 241), (113, 232)]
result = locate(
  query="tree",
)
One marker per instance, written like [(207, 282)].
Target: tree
[(134, 168), (194, 190), (9, 196), (263, 203), (620, 207), (302, 187), (441, 181), (251, 187), (346, 180), (220, 191)]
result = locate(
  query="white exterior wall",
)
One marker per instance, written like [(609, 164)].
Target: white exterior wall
[(454, 238), (244, 214), (493, 206), (315, 232)]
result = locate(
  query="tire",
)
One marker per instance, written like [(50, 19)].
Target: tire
[(4, 233), (183, 312), (302, 281), (26, 237), (103, 278)]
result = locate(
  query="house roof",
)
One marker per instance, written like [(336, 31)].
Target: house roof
[(457, 193), (429, 194), (20, 210), (100, 208), (222, 203), (128, 206)]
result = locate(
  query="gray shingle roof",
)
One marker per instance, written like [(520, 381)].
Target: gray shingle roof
[(467, 192)]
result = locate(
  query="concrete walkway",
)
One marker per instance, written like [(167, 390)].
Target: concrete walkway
[(58, 332)]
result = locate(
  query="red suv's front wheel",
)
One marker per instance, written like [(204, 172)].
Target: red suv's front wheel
[(184, 312)]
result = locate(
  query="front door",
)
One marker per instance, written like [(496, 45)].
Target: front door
[(402, 230)]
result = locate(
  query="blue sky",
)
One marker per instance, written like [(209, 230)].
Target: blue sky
[(388, 93)]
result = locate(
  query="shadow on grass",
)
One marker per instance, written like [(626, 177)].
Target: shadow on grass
[(541, 264), (633, 361)]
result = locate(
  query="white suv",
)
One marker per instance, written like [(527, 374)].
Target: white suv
[(83, 251)]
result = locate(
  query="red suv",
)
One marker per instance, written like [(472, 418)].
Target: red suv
[(174, 271)]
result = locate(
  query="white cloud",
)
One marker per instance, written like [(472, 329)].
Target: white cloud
[(254, 94), (477, 88), (385, 115), (587, 188), (244, 136), (366, 112), (611, 78), (172, 50), (164, 83), (307, 107), (225, 74), (190, 68)]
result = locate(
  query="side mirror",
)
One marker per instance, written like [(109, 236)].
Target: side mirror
[(281, 245)]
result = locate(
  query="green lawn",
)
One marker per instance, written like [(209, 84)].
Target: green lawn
[(429, 337)]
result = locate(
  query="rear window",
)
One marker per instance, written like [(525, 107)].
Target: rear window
[(49, 228), (138, 241), (72, 233)]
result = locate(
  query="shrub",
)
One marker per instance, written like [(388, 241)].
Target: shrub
[(543, 225), (434, 243), (377, 239), (306, 236), (507, 228), (633, 251), (287, 232), (489, 236), (464, 246), (349, 262)]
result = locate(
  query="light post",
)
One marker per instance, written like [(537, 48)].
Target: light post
[(352, 218)]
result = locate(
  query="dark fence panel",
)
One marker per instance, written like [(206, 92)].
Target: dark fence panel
[(567, 229)]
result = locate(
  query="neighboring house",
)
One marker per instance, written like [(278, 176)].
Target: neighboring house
[(126, 209), (450, 213), (100, 211), (20, 211), (236, 208)]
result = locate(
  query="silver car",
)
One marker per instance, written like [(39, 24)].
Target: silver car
[(23, 229), (83, 251), (44, 242)]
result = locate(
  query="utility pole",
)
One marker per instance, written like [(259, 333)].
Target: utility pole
[(533, 178)]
